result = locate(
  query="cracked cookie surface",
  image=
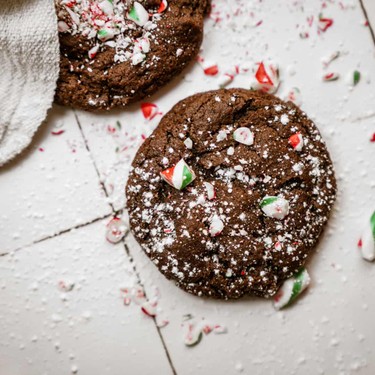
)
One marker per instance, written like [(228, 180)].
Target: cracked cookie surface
[(257, 206)]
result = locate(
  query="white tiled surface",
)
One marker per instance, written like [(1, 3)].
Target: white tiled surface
[(330, 330), (52, 188)]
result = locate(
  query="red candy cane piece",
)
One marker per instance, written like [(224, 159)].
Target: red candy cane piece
[(296, 141), (325, 24), (149, 110), (262, 76), (211, 70), (163, 6)]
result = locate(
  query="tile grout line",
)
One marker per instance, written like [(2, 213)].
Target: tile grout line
[(93, 161), (368, 20), (126, 248), (58, 234)]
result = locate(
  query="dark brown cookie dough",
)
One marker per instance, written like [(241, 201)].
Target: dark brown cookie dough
[(108, 60), (254, 253)]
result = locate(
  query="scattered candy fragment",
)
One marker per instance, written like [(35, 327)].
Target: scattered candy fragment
[(150, 110), (210, 191), (193, 336), (327, 61), (138, 14), (93, 51), (66, 285), (163, 6), (116, 230), (216, 226), (372, 139), (275, 207), (266, 77), (244, 135), (367, 243), (179, 176), (356, 77), (57, 132), (291, 289), (194, 330), (228, 77), (149, 308), (211, 70), (331, 77), (296, 141), (324, 24), (295, 96), (188, 143)]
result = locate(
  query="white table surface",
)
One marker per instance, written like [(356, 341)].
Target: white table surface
[(56, 199)]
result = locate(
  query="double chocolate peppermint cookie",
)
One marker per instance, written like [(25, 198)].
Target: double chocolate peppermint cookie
[(115, 52), (229, 195)]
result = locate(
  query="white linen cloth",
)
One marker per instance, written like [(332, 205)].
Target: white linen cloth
[(29, 68)]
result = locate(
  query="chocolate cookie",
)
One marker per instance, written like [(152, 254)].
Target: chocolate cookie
[(115, 52), (231, 192)]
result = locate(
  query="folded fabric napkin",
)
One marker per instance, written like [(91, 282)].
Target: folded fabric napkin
[(29, 68)]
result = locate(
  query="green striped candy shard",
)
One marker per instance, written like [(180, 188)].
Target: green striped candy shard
[(102, 32), (133, 14), (297, 286), (356, 76), (267, 201), (372, 224), (187, 177)]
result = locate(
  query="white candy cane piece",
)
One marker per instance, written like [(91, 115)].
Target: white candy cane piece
[(367, 243), (193, 335), (266, 77), (138, 14), (149, 308), (188, 143), (291, 289), (210, 190), (106, 6), (275, 207), (244, 135), (93, 51), (216, 226), (116, 230), (66, 285)]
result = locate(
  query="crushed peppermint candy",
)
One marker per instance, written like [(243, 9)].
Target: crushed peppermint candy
[(211, 194), (275, 207), (296, 141), (367, 242), (291, 289), (266, 77), (116, 230), (179, 176), (110, 23), (216, 226), (244, 135), (194, 330)]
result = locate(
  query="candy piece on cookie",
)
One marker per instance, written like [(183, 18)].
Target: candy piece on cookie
[(275, 207), (179, 176)]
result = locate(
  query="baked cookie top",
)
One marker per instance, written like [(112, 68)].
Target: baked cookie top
[(230, 193), (114, 52)]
